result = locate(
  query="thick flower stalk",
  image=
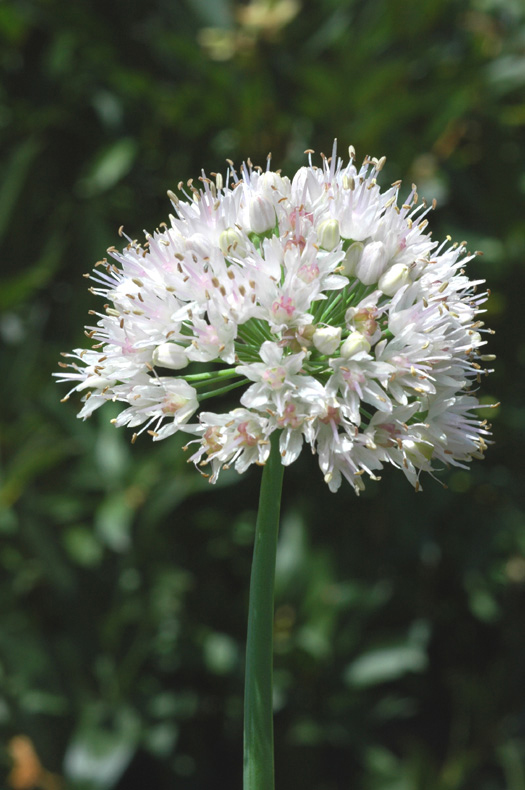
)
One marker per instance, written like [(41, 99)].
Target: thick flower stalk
[(323, 301)]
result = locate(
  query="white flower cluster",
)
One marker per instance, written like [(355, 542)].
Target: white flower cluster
[(342, 323)]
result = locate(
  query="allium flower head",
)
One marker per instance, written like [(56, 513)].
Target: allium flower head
[(323, 301)]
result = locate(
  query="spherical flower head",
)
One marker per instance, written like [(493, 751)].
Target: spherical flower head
[(317, 307)]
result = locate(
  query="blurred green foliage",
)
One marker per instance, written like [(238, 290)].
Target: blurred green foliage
[(399, 636)]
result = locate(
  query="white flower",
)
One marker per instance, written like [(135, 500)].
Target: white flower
[(261, 215), (326, 339), (351, 259), (372, 263), (231, 242), (393, 279), (319, 302), (170, 355), (328, 236), (355, 343)]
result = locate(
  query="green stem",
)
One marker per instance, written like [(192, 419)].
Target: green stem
[(258, 711), (223, 373), (212, 381), (221, 390), (332, 304)]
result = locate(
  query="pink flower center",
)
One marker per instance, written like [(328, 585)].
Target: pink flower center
[(208, 335), (402, 363), (298, 212), (127, 347), (365, 321), (172, 403), (212, 439), (247, 438), (386, 434), (283, 308), (289, 417), (297, 241), (308, 272), (353, 379), (275, 377), (332, 415)]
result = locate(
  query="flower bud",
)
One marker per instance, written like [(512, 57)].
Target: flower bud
[(273, 181), (328, 235), (354, 343), (170, 355), (308, 331), (326, 339), (372, 263), (261, 215), (418, 452), (232, 242), (350, 261), (393, 279)]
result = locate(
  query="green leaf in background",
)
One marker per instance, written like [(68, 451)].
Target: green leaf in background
[(113, 520), (98, 755), (386, 664), (110, 166)]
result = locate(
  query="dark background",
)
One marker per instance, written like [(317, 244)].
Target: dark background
[(400, 641)]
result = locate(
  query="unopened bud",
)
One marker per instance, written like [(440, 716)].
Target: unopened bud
[(307, 332), (418, 452), (328, 235), (261, 215), (273, 181), (372, 263), (232, 242), (326, 339), (354, 343), (170, 355), (350, 261), (393, 279)]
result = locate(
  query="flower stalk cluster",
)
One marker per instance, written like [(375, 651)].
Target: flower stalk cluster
[(323, 301)]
